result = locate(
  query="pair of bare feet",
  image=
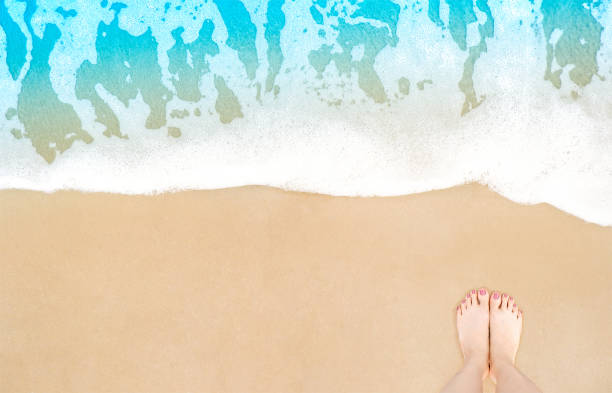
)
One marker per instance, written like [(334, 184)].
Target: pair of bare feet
[(489, 327)]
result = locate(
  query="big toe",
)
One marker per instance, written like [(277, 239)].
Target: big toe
[(483, 297), (495, 300)]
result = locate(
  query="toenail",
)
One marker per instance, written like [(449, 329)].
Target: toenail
[(463, 301), (496, 295), (504, 295), (483, 292), (511, 298), (473, 291)]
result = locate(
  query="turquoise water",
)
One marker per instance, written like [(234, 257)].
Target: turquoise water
[(355, 97)]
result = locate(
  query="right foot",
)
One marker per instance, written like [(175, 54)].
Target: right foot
[(473, 329), (506, 323)]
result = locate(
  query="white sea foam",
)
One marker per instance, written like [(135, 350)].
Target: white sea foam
[(559, 153)]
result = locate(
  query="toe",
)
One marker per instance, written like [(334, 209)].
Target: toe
[(458, 311), (504, 304), (464, 305), (515, 308), (495, 300), (473, 297), (483, 297), (468, 300), (510, 303)]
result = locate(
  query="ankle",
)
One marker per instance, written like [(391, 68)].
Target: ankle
[(499, 364), (479, 363)]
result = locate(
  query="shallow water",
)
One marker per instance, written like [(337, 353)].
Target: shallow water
[(369, 97)]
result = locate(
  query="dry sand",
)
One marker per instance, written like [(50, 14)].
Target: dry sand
[(260, 290)]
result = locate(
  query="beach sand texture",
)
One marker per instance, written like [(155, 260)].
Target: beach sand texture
[(256, 289)]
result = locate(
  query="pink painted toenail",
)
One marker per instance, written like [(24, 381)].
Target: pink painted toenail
[(458, 308), (504, 295), (511, 298), (463, 301), (473, 291), (496, 295), (483, 292)]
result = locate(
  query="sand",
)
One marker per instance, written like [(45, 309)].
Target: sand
[(259, 290)]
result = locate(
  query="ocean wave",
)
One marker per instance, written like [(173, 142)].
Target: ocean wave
[(365, 98)]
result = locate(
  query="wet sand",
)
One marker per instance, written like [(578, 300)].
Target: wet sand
[(259, 290)]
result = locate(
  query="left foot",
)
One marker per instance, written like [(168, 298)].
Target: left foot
[(473, 329)]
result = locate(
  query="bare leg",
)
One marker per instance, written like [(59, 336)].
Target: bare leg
[(473, 329), (506, 322)]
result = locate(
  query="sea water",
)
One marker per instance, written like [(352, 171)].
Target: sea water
[(354, 97)]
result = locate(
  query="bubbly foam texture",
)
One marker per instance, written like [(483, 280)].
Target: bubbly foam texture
[(362, 103)]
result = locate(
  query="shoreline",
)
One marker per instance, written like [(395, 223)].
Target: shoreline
[(174, 191)]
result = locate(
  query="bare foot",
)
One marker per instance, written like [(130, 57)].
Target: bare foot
[(506, 325), (473, 329)]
